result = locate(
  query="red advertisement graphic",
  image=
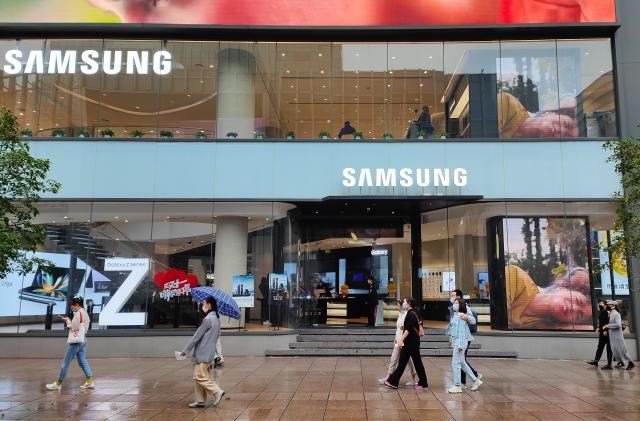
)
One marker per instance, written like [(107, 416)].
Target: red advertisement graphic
[(353, 13), (174, 283)]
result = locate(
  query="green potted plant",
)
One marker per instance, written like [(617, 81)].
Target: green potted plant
[(387, 135), (166, 134), (201, 135), (324, 135), (358, 135), (422, 134), (57, 133), (26, 133), (137, 134), (290, 135), (106, 133), (259, 135), (84, 133), (443, 135), (232, 135)]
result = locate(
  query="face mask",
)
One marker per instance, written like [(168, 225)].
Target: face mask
[(456, 307), (404, 306), (452, 299), (74, 309)]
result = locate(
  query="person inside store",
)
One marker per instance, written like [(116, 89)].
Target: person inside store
[(615, 329), (346, 130), (460, 338), (202, 348), (372, 301), (409, 344), (401, 306), (471, 319), (603, 337), (563, 304), (424, 122)]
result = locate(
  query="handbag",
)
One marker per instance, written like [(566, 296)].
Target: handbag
[(77, 336)]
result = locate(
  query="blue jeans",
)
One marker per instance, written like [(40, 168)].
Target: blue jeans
[(459, 363), (78, 351)]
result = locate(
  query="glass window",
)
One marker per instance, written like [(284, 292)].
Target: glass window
[(470, 95), (187, 103), (585, 73), (415, 81)]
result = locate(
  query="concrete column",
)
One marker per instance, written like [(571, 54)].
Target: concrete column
[(236, 93), (231, 256)]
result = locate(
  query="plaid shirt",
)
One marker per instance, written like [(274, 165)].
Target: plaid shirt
[(458, 330)]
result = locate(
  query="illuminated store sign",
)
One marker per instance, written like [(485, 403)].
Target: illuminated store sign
[(405, 177), (88, 62)]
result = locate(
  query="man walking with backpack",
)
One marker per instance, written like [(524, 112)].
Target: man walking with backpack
[(473, 328)]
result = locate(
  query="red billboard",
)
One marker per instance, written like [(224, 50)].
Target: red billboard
[(314, 13)]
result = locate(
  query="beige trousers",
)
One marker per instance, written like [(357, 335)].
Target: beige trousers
[(204, 384), (393, 363)]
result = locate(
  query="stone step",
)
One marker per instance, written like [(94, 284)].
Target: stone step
[(388, 346), (359, 331), (381, 353), (364, 338)]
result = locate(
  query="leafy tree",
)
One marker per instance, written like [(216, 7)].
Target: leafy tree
[(23, 179), (625, 155)]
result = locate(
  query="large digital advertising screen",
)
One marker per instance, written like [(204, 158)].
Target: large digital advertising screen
[(547, 277), (318, 13)]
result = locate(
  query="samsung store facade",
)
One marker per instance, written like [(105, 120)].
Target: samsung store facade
[(208, 147)]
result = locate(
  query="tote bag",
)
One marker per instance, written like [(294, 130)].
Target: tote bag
[(77, 336)]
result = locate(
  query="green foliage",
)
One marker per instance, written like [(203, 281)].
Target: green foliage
[(625, 156), (57, 133), (84, 133), (423, 133), (290, 134), (387, 135), (324, 134), (23, 179), (259, 135), (26, 133), (201, 135), (358, 135), (137, 133), (106, 133), (232, 134), (166, 133)]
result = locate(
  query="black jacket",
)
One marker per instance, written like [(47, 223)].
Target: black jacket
[(345, 131), (373, 293), (603, 319), (424, 123)]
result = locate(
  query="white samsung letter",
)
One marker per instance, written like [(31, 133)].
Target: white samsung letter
[(348, 177), (460, 177), (405, 177), (112, 62), (365, 177), (162, 62), (422, 177), (385, 177), (90, 59), (59, 63), (35, 58), (441, 177), (110, 314), (14, 67), (139, 59)]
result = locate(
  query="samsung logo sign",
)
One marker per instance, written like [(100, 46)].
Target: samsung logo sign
[(88, 62), (404, 177)]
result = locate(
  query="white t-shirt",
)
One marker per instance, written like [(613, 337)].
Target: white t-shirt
[(400, 325)]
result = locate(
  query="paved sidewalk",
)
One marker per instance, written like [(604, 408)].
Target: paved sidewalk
[(309, 389)]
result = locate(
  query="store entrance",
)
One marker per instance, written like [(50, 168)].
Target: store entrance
[(343, 242)]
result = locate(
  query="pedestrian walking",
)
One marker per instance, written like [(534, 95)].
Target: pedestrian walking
[(395, 355), (372, 301), (603, 338), (77, 345), (202, 348), (460, 337), (616, 337), (409, 344), (468, 317)]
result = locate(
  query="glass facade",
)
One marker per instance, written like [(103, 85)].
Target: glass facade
[(523, 265), (503, 89)]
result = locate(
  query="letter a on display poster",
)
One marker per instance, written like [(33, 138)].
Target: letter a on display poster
[(243, 290)]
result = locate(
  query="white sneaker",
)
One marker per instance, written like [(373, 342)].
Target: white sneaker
[(54, 386), (463, 386), (410, 383), (218, 397), (476, 384), (479, 376), (381, 381), (454, 389), (88, 385), (196, 405)]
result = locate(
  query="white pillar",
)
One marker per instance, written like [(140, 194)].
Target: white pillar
[(231, 256), (236, 93)]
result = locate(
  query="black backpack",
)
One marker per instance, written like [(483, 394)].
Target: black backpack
[(473, 328)]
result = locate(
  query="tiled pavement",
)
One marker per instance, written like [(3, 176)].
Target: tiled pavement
[(310, 389)]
